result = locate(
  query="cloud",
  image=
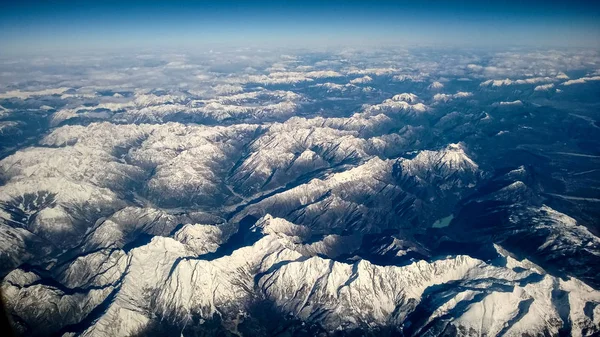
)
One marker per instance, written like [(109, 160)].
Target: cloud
[(77, 95), (27, 94), (474, 67), (540, 63)]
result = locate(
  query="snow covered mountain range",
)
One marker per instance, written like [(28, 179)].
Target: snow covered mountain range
[(387, 193)]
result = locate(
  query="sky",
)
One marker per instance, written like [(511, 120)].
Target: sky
[(37, 26)]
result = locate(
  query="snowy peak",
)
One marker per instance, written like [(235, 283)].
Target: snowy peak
[(447, 161), (406, 97), (281, 227), (403, 103), (436, 85)]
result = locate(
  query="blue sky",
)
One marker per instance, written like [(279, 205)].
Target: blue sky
[(40, 25)]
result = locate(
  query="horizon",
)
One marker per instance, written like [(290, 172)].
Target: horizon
[(39, 27)]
